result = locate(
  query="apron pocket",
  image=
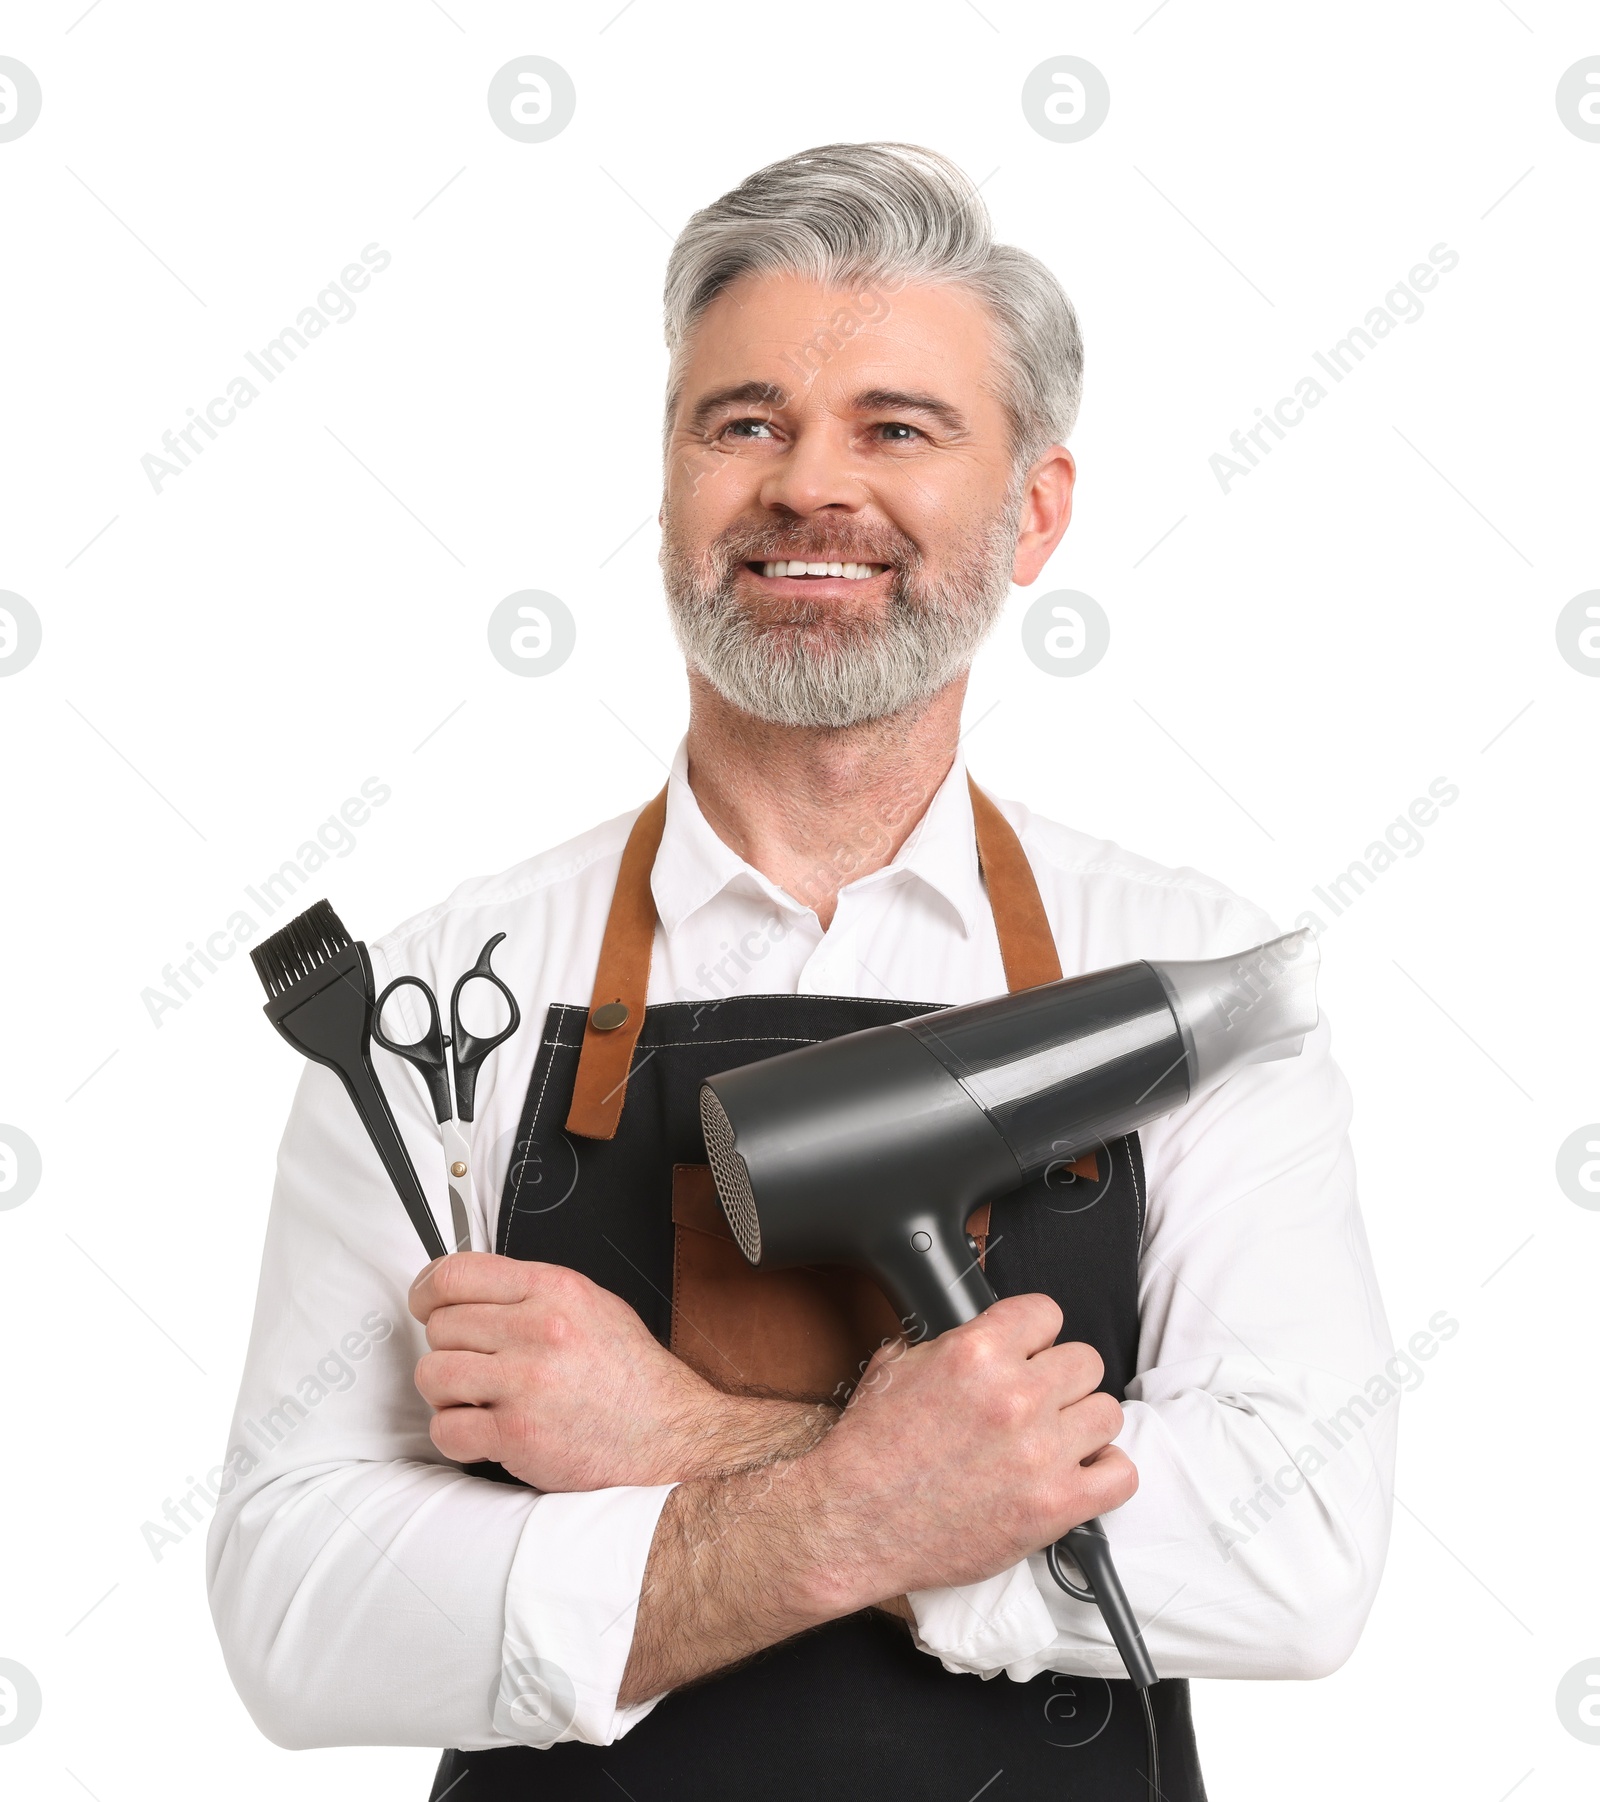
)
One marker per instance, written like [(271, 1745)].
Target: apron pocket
[(805, 1334)]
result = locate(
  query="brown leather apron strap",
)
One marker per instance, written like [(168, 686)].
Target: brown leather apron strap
[(621, 981), (1027, 945)]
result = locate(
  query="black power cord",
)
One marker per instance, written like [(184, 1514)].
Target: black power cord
[(1082, 1592), (1152, 1745)]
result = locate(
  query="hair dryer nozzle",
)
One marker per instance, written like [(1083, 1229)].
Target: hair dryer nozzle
[(1250, 1008)]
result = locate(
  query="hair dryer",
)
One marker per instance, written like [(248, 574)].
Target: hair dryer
[(874, 1148)]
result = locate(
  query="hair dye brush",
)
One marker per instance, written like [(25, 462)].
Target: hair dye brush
[(319, 981)]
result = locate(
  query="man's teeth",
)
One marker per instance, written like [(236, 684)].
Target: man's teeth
[(852, 572)]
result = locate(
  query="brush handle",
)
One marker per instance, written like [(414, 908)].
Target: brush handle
[(326, 1014), (362, 1086)]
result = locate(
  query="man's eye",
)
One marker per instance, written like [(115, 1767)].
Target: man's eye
[(897, 426), (746, 428)]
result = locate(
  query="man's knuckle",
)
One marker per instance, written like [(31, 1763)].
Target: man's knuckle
[(1079, 1367), (446, 1430), (1109, 1481), (1101, 1415), (452, 1279), (553, 1282), (550, 1328), (971, 1356), (1039, 1314), (1005, 1406)]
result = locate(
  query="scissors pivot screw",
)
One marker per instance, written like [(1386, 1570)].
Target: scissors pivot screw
[(458, 1168), (609, 1017)]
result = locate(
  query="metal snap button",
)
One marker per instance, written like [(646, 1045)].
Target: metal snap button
[(609, 1017)]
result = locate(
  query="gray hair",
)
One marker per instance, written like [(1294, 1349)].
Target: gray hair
[(886, 214)]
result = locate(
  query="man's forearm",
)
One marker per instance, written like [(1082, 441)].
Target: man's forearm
[(955, 1459), (751, 1430), (737, 1564)]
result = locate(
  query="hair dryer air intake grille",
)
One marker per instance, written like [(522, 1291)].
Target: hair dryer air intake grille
[(733, 1180)]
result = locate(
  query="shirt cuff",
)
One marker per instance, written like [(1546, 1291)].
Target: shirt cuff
[(984, 1627), (571, 1603)]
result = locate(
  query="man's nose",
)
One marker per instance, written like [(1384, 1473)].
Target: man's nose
[(814, 473)]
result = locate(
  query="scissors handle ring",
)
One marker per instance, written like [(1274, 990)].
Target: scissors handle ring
[(467, 1050), (426, 1053)]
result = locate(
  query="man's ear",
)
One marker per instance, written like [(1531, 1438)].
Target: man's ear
[(1046, 513)]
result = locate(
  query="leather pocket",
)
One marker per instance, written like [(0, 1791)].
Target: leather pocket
[(805, 1334)]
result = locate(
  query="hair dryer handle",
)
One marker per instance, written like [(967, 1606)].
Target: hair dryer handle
[(1090, 1550), (937, 1284), (932, 1275)]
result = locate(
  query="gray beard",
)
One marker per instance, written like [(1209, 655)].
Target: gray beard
[(814, 666)]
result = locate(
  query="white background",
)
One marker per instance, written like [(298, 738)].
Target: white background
[(1373, 608)]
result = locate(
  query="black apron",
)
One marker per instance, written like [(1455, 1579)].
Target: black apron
[(851, 1710)]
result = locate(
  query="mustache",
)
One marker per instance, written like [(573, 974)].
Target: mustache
[(764, 547)]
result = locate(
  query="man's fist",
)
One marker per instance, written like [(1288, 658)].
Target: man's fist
[(560, 1381), (961, 1455)]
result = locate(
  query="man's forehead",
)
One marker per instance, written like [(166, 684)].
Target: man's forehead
[(768, 339)]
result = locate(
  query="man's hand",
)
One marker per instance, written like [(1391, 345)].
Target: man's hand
[(962, 1455), (560, 1381), (954, 1460)]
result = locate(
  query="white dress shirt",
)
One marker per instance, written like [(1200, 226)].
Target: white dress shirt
[(368, 1591)]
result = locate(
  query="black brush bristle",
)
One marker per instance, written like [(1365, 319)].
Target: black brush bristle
[(309, 940)]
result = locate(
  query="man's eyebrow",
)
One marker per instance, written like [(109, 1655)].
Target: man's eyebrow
[(740, 394), (900, 400), (870, 400)]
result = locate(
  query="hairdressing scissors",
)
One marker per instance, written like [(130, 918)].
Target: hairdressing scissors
[(467, 1052)]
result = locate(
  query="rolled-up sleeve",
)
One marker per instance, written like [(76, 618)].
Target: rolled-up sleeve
[(1261, 1421), (366, 1591)]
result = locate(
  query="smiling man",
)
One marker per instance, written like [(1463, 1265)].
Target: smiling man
[(610, 1512)]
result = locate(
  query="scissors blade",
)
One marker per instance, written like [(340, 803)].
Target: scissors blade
[(458, 1174)]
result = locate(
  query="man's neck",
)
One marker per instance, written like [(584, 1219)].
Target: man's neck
[(815, 808)]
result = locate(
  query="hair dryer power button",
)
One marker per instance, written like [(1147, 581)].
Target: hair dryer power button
[(921, 1242)]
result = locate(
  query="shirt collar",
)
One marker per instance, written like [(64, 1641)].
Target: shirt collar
[(694, 865)]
